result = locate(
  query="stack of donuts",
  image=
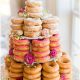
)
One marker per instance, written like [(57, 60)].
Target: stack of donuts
[(65, 68), (50, 71), (21, 48), (34, 8), (15, 71), (32, 27), (35, 46), (41, 51), (32, 72), (50, 23), (16, 25), (55, 43)]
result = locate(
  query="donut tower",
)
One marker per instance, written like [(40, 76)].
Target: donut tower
[(35, 51)]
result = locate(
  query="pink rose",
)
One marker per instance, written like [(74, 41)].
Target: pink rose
[(53, 53), (21, 10), (63, 77), (29, 59)]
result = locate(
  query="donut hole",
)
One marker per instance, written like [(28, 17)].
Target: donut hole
[(52, 64)]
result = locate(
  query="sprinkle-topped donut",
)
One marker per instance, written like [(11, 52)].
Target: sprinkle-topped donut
[(41, 43)]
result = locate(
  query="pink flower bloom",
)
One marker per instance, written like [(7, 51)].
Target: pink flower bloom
[(21, 10), (53, 53), (29, 59), (11, 52), (63, 77)]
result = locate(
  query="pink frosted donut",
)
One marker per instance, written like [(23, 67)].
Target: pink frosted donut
[(65, 71), (15, 75), (20, 53), (41, 54), (41, 42), (54, 44), (42, 59), (40, 49), (21, 48), (21, 42), (58, 48), (19, 58), (55, 37)]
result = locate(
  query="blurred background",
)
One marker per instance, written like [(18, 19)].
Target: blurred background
[(67, 10)]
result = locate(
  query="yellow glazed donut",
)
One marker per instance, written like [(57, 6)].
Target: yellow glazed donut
[(55, 78), (49, 26), (11, 78), (63, 62), (32, 28), (34, 9), (21, 42), (16, 65), (50, 67), (15, 78), (17, 20), (16, 26), (32, 22), (33, 3), (32, 34), (32, 79), (34, 76), (41, 54), (11, 74), (40, 49), (35, 15), (50, 75), (65, 55), (15, 70), (41, 42), (42, 59), (33, 70)]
